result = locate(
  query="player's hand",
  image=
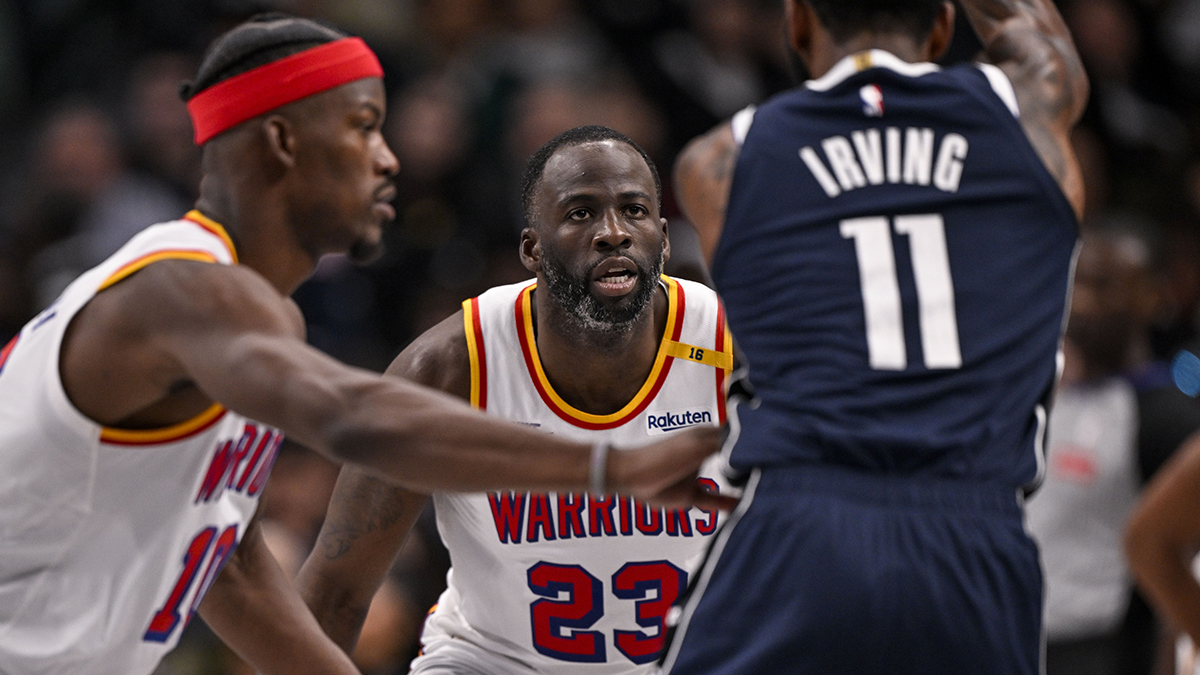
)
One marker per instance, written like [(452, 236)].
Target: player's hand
[(664, 474)]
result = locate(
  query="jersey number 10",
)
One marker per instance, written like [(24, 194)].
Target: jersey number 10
[(881, 289)]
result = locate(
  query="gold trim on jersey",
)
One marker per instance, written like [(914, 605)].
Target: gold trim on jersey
[(139, 263), (653, 383), (474, 331), (169, 434), (214, 227)]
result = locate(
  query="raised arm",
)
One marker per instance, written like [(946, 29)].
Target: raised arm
[(1163, 535), (228, 332), (368, 518), (1029, 41)]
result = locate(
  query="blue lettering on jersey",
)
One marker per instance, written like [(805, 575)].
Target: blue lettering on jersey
[(661, 424)]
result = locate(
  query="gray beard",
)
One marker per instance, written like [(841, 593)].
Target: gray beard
[(586, 316)]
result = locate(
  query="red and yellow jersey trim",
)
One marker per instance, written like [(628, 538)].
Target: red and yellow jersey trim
[(138, 263), (724, 345), (475, 350), (215, 228), (658, 373), (171, 434), (194, 216)]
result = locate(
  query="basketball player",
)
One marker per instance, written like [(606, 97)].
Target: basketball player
[(141, 411), (600, 348), (893, 242)]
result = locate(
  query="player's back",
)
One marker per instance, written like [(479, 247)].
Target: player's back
[(895, 262)]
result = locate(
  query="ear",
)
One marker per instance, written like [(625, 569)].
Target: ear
[(943, 32), (281, 139), (666, 241), (799, 19), (531, 250)]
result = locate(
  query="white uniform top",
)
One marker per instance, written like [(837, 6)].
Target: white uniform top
[(109, 537), (573, 583)]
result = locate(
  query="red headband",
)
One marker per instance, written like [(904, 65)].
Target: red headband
[(231, 102)]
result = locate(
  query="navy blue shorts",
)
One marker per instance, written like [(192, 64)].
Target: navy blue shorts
[(828, 571)]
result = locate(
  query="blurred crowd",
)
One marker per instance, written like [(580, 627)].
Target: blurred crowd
[(95, 144)]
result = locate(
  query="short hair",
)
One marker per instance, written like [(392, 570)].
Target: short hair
[(536, 168), (261, 39), (846, 18)]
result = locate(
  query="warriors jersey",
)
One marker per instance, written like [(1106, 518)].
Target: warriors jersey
[(109, 538), (896, 261), (564, 583)]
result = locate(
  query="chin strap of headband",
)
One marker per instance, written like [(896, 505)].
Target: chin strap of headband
[(252, 93)]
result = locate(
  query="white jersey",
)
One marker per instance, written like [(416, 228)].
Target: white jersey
[(570, 583), (109, 537)]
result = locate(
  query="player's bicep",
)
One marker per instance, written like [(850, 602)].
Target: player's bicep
[(703, 177), (239, 342)]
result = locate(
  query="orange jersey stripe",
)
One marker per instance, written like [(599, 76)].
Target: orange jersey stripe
[(169, 434), (474, 330), (658, 373), (137, 264), (215, 228)]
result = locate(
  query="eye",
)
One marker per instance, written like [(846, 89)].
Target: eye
[(637, 211), (579, 214)]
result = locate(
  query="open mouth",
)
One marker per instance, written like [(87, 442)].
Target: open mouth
[(615, 278)]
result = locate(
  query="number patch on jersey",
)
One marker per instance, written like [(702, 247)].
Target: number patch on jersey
[(926, 233), (560, 623), (167, 619)]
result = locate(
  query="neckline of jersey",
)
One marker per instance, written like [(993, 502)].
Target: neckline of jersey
[(871, 58), (654, 382), (215, 228)]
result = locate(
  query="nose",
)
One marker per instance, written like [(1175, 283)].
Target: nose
[(385, 160), (611, 233)]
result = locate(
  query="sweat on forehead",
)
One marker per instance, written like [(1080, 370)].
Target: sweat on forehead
[(536, 168)]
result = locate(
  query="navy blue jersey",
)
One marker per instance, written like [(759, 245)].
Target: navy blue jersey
[(895, 264)]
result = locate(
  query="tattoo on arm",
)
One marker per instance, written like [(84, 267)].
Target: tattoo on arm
[(376, 505)]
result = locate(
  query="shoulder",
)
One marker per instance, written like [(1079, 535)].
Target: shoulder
[(438, 358), (190, 295)]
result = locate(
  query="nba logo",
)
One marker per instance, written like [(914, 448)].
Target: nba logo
[(872, 98)]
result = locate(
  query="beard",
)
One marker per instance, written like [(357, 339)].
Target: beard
[(572, 293)]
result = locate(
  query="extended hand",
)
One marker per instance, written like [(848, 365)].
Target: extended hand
[(665, 473)]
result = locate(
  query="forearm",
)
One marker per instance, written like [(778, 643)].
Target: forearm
[(441, 444), (367, 522), (253, 608), (1163, 534), (1163, 573), (1031, 35)]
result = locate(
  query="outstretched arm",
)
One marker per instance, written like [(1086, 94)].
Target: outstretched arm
[(254, 609), (1029, 41), (225, 330), (1163, 535)]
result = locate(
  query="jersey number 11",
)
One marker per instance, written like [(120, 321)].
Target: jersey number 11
[(881, 289)]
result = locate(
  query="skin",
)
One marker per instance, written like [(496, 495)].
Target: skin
[(1163, 535), (596, 202), (1027, 39), (309, 178)]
